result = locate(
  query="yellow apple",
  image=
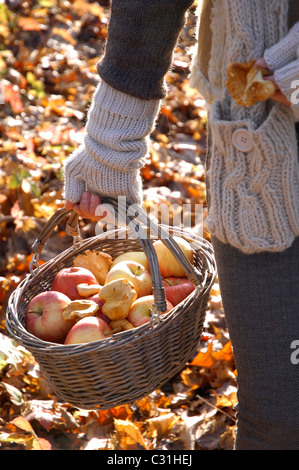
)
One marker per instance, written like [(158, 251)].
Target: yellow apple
[(137, 256), (134, 272), (141, 310), (168, 264)]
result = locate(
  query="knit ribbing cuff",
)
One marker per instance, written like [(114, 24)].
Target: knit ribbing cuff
[(285, 51), (118, 128), (287, 78), (115, 144)]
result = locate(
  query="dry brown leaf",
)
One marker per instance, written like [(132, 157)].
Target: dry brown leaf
[(30, 24), (227, 401), (128, 435), (64, 34), (227, 439), (159, 426), (210, 357), (11, 95), (27, 436)]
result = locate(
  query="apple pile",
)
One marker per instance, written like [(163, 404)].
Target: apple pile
[(99, 296)]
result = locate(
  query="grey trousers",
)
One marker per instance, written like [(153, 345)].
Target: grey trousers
[(260, 296)]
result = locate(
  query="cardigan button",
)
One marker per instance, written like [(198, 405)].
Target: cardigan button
[(242, 140)]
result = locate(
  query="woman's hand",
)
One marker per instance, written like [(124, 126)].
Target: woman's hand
[(87, 207), (278, 95)]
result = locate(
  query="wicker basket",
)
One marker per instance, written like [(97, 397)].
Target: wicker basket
[(130, 364)]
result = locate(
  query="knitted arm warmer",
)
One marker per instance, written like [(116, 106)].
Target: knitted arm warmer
[(141, 39), (116, 140), (287, 78), (283, 59), (285, 51)]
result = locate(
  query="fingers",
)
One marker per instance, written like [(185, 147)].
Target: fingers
[(87, 206), (261, 63), (278, 95), (281, 98), (271, 78)]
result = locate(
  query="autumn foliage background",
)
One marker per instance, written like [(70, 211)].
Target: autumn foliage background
[(48, 55)]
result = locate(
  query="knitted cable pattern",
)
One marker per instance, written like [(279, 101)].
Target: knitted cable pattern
[(253, 194)]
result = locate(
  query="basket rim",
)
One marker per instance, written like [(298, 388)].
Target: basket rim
[(31, 342), (116, 340)]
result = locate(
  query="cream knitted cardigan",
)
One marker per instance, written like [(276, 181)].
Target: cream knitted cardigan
[(253, 194), (253, 188)]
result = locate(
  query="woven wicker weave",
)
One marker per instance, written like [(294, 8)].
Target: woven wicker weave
[(130, 364)]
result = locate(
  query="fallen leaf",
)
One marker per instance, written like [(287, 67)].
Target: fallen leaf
[(15, 395), (159, 426), (128, 435), (28, 438), (12, 97), (210, 357), (30, 24)]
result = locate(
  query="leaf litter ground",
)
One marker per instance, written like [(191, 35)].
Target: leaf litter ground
[(48, 55)]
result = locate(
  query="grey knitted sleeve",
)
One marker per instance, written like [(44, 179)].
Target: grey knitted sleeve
[(287, 78), (116, 141), (141, 38), (285, 51), (142, 35), (283, 59)]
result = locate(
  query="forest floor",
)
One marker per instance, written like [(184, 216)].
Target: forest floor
[(48, 55)]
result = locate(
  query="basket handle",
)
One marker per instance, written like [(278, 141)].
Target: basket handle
[(138, 218), (136, 215), (72, 229)]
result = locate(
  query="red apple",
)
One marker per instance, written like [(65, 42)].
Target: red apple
[(168, 264), (141, 310), (177, 289), (99, 313), (43, 316), (134, 272), (137, 256), (67, 279), (87, 330)]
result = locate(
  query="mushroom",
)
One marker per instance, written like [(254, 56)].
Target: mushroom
[(123, 324), (87, 290), (117, 297), (97, 262), (77, 309)]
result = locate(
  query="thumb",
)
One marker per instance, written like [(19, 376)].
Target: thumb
[(68, 205), (261, 63)]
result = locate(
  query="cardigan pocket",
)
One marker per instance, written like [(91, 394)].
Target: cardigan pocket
[(253, 180)]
